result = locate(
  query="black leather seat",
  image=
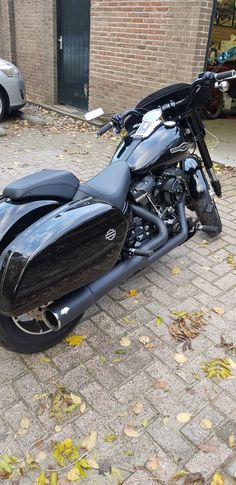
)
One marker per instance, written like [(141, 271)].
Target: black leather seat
[(110, 185), (51, 184)]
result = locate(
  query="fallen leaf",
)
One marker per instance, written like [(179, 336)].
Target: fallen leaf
[(152, 463), (144, 339), (73, 474), (58, 428), (41, 479), (116, 360), (145, 423), (75, 339), (232, 363), (160, 385), (217, 479), (206, 424), (125, 341), (194, 479), (131, 432), (208, 446), (232, 443), (53, 478), (133, 292), (181, 314), (89, 442), (137, 407), (93, 464), (24, 426), (179, 474), (219, 368), (183, 417), (110, 438), (159, 320), (166, 420), (117, 475), (219, 310), (41, 456), (175, 271), (7, 465), (82, 407), (180, 358), (197, 377), (75, 399), (45, 360), (205, 242)]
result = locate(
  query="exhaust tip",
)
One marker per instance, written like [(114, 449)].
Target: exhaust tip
[(51, 320)]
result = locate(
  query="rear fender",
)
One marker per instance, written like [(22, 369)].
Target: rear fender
[(196, 182), (15, 217)]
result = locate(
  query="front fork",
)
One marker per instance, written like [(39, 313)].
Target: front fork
[(198, 129)]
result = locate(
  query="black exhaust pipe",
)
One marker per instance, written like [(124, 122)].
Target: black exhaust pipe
[(69, 307)]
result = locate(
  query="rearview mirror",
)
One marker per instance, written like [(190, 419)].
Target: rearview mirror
[(91, 115)]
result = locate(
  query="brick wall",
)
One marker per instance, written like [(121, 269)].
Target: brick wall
[(138, 46), (29, 40)]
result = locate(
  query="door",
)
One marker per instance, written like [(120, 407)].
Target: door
[(73, 52)]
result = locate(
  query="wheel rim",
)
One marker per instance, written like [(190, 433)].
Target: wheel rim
[(32, 323), (1, 106)]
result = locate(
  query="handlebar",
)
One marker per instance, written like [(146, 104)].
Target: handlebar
[(105, 128), (224, 75)]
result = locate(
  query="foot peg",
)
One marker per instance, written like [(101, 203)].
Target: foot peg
[(140, 252), (209, 229)]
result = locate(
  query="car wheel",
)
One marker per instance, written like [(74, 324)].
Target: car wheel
[(2, 105)]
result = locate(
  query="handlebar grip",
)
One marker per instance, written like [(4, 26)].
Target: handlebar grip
[(105, 128), (225, 75)]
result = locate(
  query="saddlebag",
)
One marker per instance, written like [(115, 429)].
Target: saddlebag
[(62, 251)]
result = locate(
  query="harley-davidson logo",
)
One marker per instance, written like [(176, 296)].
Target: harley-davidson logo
[(110, 235)]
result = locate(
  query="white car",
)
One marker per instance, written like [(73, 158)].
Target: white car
[(12, 88)]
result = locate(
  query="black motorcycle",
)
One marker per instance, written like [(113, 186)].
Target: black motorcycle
[(64, 245)]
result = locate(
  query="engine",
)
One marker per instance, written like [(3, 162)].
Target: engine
[(159, 194)]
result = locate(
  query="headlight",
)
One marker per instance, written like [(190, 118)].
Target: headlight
[(10, 70)]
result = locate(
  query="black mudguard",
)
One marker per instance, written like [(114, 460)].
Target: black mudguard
[(194, 176)]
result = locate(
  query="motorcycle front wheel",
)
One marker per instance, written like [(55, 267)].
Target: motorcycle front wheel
[(28, 333), (207, 213)]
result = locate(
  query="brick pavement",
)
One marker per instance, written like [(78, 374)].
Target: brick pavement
[(110, 382)]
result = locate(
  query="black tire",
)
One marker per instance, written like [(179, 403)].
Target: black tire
[(214, 107), (3, 105), (14, 339), (208, 214)]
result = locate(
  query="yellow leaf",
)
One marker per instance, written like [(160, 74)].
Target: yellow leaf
[(110, 438), (45, 360), (133, 292), (84, 463), (232, 443), (145, 423), (93, 464), (58, 428), (75, 399), (89, 441), (24, 426), (116, 475), (53, 478), (41, 479), (181, 314), (73, 474), (219, 310), (131, 432), (159, 320), (205, 242), (206, 424), (125, 341), (180, 358), (41, 456), (183, 417), (82, 407), (179, 474), (175, 271), (217, 479), (197, 377), (144, 339), (232, 363), (75, 339), (152, 463), (67, 443), (137, 407)]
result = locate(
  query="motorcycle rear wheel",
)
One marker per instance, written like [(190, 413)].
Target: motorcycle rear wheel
[(26, 339)]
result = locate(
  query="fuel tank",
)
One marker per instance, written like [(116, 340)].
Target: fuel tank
[(62, 251), (160, 149)]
